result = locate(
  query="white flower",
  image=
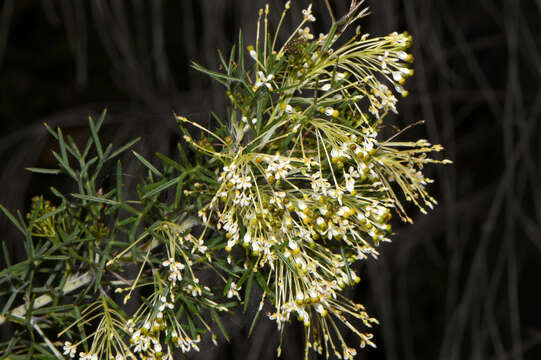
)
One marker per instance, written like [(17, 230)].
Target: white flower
[(384, 59), (131, 325), (319, 184), (350, 178), (165, 304), (326, 87), (397, 75), (402, 55), (200, 246), (293, 246), (386, 99), (278, 167), (231, 242), (329, 111), (242, 199), (264, 80), (350, 184), (339, 76), (349, 353), (337, 193), (233, 291), (340, 153), (406, 71), (141, 342), (307, 14), (275, 200), (244, 182), (69, 349), (247, 237), (321, 40), (305, 33), (399, 89), (343, 211), (175, 270), (89, 356)]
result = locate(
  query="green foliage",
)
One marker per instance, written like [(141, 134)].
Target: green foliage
[(286, 194)]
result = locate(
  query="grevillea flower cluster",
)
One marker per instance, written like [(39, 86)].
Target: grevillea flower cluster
[(290, 193), (307, 187)]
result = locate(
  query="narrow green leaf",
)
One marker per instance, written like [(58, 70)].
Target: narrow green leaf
[(73, 149), (285, 143), (125, 222), (215, 75), (263, 284), (11, 218), (51, 131), (65, 166), (254, 321), (168, 161), (227, 285), (348, 272), (224, 268), (230, 67), (284, 260), (51, 213), (6, 254), (85, 167), (123, 148), (119, 183), (147, 164), (215, 116), (182, 154), (241, 53), (221, 56), (178, 193), (107, 151), (62, 145), (162, 187), (208, 179), (191, 325), (95, 199), (56, 257), (87, 148), (217, 320), (100, 120), (95, 138), (248, 291), (246, 273), (53, 309), (44, 171), (9, 302), (11, 345), (57, 193)]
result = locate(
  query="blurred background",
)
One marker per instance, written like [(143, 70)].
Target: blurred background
[(460, 283)]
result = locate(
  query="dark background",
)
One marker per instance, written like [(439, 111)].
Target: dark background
[(461, 283)]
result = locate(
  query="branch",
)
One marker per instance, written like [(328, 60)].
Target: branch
[(76, 281)]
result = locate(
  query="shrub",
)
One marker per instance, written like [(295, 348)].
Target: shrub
[(286, 194)]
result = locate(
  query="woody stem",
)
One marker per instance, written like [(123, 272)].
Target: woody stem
[(330, 11)]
